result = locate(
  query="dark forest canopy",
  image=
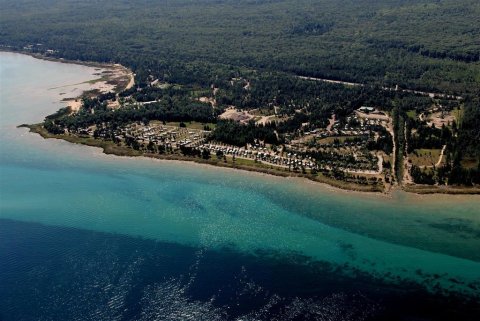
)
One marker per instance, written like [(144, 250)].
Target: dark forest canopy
[(424, 44)]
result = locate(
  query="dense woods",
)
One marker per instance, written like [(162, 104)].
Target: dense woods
[(240, 135), (180, 110), (383, 42)]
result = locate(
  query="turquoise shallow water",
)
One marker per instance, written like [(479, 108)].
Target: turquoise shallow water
[(430, 241)]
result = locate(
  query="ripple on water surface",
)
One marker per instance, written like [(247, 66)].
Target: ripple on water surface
[(69, 274)]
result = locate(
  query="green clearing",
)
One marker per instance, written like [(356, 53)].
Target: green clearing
[(412, 114), (330, 140), (425, 157), (458, 114)]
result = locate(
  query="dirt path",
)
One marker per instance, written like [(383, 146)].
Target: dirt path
[(355, 84), (331, 121), (346, 83), (407, 178), (131, 83), (389, 128), (380, 164), (441, 156)]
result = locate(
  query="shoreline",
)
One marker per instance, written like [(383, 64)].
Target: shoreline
[(93, 64), (110, 148), (62, 60)]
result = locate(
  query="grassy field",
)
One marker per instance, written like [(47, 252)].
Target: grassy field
[(330, 140), (412, 114), (469, 162), (425, 157), (458, 114)]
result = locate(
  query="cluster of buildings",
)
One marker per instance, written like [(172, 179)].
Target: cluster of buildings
[(262, 154), (160, 135), (342, 145)]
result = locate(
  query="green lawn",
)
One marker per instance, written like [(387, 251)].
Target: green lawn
[(425, 157), (330, 140), (412, 114)]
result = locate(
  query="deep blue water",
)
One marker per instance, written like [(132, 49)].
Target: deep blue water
[(72, 274), (85, 236)]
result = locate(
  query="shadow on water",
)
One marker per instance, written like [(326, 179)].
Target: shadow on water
[(57, 273), (462, 227)]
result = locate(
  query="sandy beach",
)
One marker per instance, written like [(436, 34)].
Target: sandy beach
[(112, 78), (108, 77)]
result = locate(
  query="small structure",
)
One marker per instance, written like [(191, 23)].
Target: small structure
[(367, 110)]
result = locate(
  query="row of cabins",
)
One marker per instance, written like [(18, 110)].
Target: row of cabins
[(261, 154)]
